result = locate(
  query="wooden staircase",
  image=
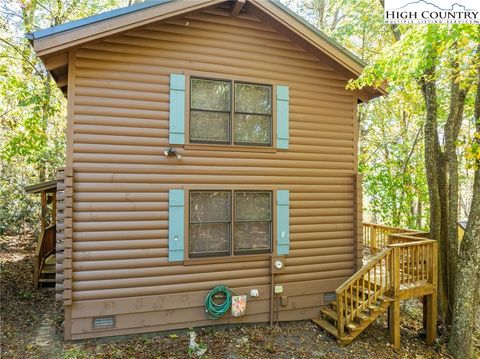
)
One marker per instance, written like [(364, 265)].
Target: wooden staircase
[(44, 259), (406, 268), (47, 272)]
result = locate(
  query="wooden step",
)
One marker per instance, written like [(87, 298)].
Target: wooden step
[(385, 299), (48, 270), (47, 280), (329, 328), (368, 292), (326, 325), (330, 313), (354, 328), (364, 317)]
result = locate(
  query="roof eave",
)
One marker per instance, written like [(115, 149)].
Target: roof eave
[(60, 39), (47, 186), (66, 36)]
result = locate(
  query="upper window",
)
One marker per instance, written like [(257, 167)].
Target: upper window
[(212, 232), (227, 112)]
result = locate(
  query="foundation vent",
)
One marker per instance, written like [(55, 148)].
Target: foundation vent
[(103, 323), (329, 297)]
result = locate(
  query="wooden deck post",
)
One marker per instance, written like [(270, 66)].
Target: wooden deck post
[(341, 319), (394, 309), (373, 239), (394, 321), (44, 211), (54, 208), (430, 304)]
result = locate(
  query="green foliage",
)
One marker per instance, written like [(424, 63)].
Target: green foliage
[(420, 47), (391, 159), (391, 145), (32, 109)]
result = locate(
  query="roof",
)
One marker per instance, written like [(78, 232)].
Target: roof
[(93, 19), (47, 186), (52, 44)]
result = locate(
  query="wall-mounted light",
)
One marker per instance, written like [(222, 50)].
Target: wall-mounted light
[(172, 151)]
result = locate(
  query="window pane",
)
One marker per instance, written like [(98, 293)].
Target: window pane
[(210, 95), (253, 98), (210, 237), (253, 206), (209, 126), (252, 235), (209, 206), (252, 129)]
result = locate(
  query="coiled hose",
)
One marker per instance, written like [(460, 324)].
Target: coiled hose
[(214, 310)]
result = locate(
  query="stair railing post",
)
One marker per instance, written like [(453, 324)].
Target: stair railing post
[(394, 309), (373, 239), (341, 319), (395, 271)]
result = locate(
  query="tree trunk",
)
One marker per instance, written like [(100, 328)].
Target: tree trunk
[(467, 279), (442, 178), (419, 213), (433, 167)]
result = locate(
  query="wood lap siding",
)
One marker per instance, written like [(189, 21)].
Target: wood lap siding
[(121, 177)]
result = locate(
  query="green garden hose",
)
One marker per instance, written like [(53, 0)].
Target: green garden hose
[(214, 310)]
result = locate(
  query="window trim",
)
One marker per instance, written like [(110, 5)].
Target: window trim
[(232, 215), (231, 124)]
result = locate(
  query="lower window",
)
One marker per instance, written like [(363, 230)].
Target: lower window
[(226, 223)]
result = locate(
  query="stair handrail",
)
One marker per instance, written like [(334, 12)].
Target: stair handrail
[(362, 270), (353, 284)]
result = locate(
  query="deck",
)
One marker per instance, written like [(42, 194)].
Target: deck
[(403, 266)]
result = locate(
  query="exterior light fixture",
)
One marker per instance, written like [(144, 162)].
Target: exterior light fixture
[(172, 151)]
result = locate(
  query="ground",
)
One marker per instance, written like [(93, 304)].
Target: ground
[(31, 328)]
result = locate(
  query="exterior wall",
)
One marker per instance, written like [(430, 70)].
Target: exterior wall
[(120, 108)]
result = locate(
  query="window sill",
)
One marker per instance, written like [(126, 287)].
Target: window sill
[(231, 148), (227, 259)]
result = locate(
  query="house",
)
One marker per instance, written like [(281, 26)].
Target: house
[(208, 143)]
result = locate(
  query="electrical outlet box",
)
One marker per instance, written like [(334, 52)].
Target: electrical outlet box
[(254, 293), (278, 289)]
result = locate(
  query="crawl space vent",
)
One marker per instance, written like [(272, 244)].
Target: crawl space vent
[(104, 323), (329, 297)]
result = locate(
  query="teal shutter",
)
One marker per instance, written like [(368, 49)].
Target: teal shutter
[(282, 116), (176, 227), (177, 109), (283, 219)]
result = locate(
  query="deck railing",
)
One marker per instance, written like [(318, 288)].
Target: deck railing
[(375, 236), (409, 260), (415, 259), (45, 247)]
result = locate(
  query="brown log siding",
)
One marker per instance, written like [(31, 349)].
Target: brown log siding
[(121, 177)]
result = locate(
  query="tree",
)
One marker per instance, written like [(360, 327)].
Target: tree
[(467, 281), (32, 109), (431, 71), (391, 151), (442, 61)]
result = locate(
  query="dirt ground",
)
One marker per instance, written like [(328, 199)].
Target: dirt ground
[(31, 327)]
